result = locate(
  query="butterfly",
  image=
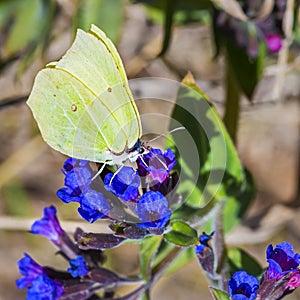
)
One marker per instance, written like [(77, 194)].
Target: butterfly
[(83, 105)]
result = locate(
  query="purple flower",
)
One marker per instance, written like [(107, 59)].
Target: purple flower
[(78, 179), (77, 182), (242, 286), (93, 206), (48, 226), (78, 267), (124, 183), (294, 280), (72, 163), (29, 269), (157, 164), (44, 288), (274, 42), (152, 209), (282, 260)]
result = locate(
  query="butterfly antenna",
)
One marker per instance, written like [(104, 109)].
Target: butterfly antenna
[(115, 174), (99, 172), (165, 134), (142, 159)]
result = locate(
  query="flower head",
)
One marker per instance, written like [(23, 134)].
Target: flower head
[(77, 182), (30, 269), (282, 260), (242, 286), (72, 163), (44, 288), (152, 209), (48, 226), (124, 184), (93, 205), (78, 267), (274, 42), (157, 164)]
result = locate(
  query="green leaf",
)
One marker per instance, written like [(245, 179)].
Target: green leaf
[(218, 294), (208, 164), (148, 250), (240, 260), (181, 234), (106, 14), (26, 26), (247, 70)]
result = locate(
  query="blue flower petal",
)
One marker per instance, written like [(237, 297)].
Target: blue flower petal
[(124, 184), (282, 260), (71, 163), (156, 164), (30, 269), (78, 178), (93, 206), (48, 226), (77, 267), (152, 209), (243, 286), (44, 288)]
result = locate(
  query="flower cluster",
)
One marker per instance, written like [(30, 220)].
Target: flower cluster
[(83, 277), (280, 278), (78, 188), (249, 34), (144, 190)]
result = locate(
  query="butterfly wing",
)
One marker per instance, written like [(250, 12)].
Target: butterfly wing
[(82, 103)]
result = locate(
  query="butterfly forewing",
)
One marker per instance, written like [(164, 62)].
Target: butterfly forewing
[(83, 104)]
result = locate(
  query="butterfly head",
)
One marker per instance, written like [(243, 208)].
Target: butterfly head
[(139, 149)]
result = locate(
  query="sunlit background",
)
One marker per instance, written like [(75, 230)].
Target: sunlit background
[(35, 32)]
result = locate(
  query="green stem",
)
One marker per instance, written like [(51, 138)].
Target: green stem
[(168, 22), (232, 104)]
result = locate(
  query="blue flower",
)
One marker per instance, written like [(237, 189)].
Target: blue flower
[(93, 206), (204, 242), (29, 269), (124, 183), (48, 226), (282, 260), (77, 182), (72, 163), (40, 286), (157, 164), (152, 209), (243, 286), (44, 288), (77, 267)]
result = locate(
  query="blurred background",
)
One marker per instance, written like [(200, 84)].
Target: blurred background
[(256, 41)]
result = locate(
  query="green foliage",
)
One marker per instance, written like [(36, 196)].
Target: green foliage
[(148, 250), (181, 234), (240, 260), (218, 294), (106, 14), (209, 167), (25, 26)]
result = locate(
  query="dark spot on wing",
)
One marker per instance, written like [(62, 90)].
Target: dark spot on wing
[(109, 89), (73, 107)]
